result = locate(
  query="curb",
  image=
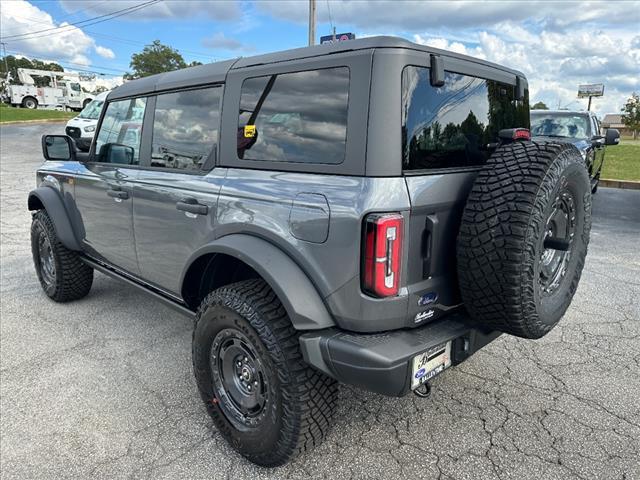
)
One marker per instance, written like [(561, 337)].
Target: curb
[(626, 184), (52, 120)]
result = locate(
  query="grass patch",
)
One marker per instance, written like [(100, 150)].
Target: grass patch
[(12, 114), (622, 162)]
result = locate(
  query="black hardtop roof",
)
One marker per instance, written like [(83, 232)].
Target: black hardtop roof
[(217, 72)]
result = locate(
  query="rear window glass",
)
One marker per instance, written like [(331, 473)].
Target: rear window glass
[(453, 126), (295, 117)]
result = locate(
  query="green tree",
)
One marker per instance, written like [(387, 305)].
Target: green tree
[(540, 106), (631, 114), (155, 58)]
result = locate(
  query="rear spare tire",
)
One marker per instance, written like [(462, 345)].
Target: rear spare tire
[(524, 236)]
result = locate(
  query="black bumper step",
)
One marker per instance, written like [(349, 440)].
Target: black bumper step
[(381, 362)]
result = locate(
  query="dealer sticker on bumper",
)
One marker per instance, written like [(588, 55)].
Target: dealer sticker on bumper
[(430, 363)]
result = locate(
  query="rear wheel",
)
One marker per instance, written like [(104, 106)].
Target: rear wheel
[(30, 103), (62, 274), (264, 399), (523, 237)]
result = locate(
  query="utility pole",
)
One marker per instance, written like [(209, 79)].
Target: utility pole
[(312, 22)]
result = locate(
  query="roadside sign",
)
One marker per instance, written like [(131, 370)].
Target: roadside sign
[(340, 37), (591, 90)]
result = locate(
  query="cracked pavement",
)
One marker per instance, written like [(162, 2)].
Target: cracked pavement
[(103, 388)]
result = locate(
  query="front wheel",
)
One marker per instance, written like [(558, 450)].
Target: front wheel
[(62, 274), (264, 399)]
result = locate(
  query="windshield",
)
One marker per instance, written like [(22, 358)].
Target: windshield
[(92, 111), (559, 125)]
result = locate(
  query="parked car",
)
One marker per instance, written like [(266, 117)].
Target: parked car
[(370, 212), (84, 125), (581, 129)]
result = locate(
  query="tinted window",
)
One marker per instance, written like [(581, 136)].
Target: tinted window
[(298, 117), (122, 124), (185, 128), (453, 125)]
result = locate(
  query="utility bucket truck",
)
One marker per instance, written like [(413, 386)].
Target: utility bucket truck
[(64, 90)]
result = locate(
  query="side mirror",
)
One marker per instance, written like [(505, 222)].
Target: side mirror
[(58, 147), (612, 137), (116, 153)]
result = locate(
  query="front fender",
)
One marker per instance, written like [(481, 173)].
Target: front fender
[(298, 295), (49, 199)]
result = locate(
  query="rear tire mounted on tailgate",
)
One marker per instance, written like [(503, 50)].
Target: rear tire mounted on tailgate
[(523, 237)]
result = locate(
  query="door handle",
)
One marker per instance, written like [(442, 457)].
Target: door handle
[(118, 194), (191, 205)]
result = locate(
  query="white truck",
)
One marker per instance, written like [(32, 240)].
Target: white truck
[(64, 91)]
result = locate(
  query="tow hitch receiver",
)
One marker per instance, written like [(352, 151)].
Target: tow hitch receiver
[(423, 391)]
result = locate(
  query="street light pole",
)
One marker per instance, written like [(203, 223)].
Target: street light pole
[(312, 22)]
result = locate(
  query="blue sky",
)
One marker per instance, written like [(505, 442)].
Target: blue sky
[(556, 44)]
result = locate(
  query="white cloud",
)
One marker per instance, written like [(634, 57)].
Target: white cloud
[(71, 44), (167, 9), (105, 52), (222, 42), (418, 15)]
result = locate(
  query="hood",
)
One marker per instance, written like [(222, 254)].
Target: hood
[(581, 144)]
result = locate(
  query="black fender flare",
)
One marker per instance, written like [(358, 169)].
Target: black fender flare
[(293, 287), (49, 199)]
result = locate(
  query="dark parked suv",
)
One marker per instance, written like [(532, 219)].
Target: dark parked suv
[(370, 212), (580, 128)]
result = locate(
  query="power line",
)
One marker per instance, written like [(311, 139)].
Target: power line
[(83, 23)]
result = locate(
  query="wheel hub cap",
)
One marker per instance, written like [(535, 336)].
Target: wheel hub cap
[(47, 264), (560, 227), (239, 378)]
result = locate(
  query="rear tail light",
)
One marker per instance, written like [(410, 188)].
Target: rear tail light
[(512, 134), (382, 254)]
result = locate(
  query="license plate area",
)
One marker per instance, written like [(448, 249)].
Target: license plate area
[(428, 364)]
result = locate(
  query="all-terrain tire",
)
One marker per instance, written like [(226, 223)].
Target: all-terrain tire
[(502, 249), (300, 401), (62, 274)]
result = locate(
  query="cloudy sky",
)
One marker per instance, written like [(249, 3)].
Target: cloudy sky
[(558, 45)]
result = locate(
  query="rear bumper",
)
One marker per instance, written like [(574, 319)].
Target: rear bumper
[(381, 362)]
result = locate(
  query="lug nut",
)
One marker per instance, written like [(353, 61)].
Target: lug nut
[(239, 364), (249, 387), (246, 359), (255, 383)]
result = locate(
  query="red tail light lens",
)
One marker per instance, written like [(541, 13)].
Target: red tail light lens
[(521, 134), (382, 254)]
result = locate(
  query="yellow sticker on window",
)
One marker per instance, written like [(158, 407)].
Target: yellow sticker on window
[(249, 131)]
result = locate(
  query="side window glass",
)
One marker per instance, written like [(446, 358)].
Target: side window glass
[(296, 117), (121, 125), (185, 128)]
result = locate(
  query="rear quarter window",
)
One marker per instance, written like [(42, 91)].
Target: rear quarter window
[(296, 117), (454, 125)]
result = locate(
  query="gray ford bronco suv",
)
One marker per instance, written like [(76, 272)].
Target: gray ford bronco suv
[(370, 212)]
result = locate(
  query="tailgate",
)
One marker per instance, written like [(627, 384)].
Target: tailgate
[(437, 202)]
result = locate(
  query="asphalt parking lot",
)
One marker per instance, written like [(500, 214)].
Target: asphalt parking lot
[(103, 388)]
